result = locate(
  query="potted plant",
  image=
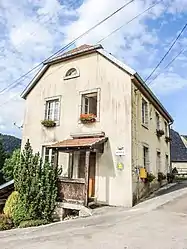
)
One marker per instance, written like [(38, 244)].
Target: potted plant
[(48, 123), (150, 177), (88, 118), (161, 176), (168, 139), (159, 132)]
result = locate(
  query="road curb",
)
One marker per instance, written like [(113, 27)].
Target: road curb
[(159, 201)]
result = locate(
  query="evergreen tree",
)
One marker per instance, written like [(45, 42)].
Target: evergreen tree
[(36, 184), (2, 160)]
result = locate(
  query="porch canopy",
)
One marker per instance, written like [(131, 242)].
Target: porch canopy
[(81, 143)]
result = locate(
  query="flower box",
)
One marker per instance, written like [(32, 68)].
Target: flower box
[(168, 139), (48, 123), (87, 118), (159, 133)]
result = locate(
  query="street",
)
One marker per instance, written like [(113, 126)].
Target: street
[(143, 226)]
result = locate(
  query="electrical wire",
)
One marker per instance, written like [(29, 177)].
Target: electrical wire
[(168, 51), (114, 31), (169, 64), (16, 82)]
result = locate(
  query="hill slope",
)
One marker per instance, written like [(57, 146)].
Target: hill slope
[(10, 143)]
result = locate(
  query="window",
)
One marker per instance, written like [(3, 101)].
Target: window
[(157, 121), (75, 165), (89, 103), (48, 154), (71, 73), (167, 164), (52, 110), (146, 157), (144, 112), (158, 161), (166, 128)]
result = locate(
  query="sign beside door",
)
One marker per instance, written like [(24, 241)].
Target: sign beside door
[(120, 152)]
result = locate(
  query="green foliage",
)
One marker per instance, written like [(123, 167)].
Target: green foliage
[(150, 177), (161, 176), (5, 222), (2, 160), (10, 163), (11, 204), (20, 213), (37, 186), (170, 177), (10, 143), (48, 123), (32, 223)]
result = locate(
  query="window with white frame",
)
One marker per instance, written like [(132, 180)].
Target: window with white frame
[(74, 167), (146, 157), (166, 128), (157, 121), (144, 112), (89, 103), (158, 161), (71, 73), (52, 110), (48, 154), (167, 164)]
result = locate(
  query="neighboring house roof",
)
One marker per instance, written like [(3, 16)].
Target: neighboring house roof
[(7, 184), (178, 148), (87, 49)]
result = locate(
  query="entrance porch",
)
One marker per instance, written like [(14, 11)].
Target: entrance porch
[(77, 157)]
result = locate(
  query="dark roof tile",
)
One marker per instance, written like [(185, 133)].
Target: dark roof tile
[(178, 148)]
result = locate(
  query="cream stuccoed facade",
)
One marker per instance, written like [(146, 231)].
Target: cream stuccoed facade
[(119, 116)]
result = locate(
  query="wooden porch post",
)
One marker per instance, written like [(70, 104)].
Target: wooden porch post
[(56, 158), (87, 162)]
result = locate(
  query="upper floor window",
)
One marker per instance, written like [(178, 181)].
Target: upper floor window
[(144, 112), (52, 110), (158, 161), (157, 121), (166, 128), (71, 73), (89, 103), (146, 157)]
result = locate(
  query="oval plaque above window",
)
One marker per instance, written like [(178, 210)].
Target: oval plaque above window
[(72, 73)]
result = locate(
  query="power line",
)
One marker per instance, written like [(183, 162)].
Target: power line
[(114, 31), (170, 48), (16, 82), (181, 52)]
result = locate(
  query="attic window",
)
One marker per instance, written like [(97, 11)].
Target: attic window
[(71, 73)]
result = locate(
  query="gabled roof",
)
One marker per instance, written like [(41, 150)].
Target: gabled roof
[(178, 148), (88, 49)]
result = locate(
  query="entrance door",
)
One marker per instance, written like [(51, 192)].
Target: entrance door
[(92, 167)]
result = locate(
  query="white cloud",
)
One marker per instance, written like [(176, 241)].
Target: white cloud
[(33, 29)]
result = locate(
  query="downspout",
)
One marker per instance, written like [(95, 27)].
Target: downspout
[(170, 123)]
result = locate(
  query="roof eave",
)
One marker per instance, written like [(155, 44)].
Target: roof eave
[(137, 76), (34, 81), (75, 54)]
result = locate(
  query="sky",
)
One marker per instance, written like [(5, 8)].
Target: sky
[(31, 30)]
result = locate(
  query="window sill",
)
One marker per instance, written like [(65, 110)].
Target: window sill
[(71, 77), (70, 180), (145, 126)]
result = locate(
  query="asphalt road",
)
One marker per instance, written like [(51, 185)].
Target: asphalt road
[(139, 228)]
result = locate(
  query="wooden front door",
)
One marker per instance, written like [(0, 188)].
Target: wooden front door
[(91, 176)]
